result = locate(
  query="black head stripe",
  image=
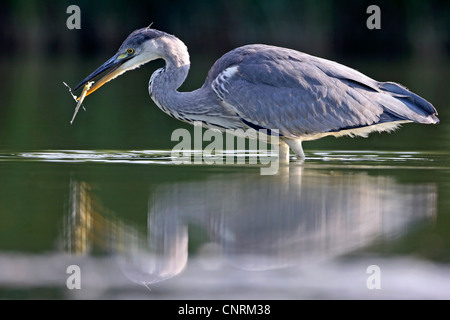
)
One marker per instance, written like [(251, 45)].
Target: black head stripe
[(137, 37)]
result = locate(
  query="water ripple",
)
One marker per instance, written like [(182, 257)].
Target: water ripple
[(360, 158), (104, 156)]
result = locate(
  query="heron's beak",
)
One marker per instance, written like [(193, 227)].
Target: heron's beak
[(110, 70)]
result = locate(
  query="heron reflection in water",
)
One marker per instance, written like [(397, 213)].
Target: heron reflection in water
[(293, 95), (310, 216)]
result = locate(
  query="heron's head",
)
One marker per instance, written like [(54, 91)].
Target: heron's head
[(141, 46)]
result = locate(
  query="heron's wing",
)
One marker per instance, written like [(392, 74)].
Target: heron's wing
[(298, 94)]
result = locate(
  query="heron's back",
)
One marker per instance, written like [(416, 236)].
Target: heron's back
[(301, 94)]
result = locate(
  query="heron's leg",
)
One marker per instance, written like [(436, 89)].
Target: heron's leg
[(296, 146), (283, 152)]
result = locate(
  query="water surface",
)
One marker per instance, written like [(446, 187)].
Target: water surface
[(132, 220)]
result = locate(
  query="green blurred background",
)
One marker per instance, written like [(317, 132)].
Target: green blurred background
[(40, 52)]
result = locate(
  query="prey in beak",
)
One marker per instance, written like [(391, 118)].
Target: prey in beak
[(140, 47), (109, 70)]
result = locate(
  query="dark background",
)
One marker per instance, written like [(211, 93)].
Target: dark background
[(418, 29)]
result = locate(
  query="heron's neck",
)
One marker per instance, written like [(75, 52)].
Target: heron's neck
[(164, 82)]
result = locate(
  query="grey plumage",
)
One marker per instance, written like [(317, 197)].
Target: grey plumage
[(303, 95), (262, 86)]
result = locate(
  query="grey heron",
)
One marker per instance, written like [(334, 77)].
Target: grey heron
[(298, 96)]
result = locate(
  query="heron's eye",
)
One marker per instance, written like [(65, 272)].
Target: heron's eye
[(130, 50)]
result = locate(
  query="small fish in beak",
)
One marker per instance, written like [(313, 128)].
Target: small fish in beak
[(110, 70), (80, 100)]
